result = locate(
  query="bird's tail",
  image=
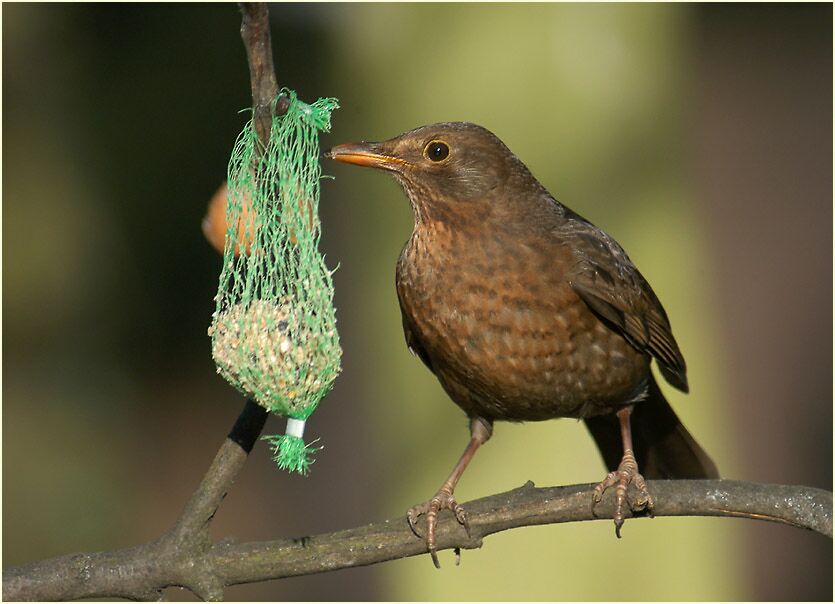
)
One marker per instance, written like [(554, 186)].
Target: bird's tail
[(662, 445)]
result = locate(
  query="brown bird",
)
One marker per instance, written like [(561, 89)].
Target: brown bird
[(525, 311)]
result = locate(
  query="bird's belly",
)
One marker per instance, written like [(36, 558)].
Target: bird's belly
[(506, 350)]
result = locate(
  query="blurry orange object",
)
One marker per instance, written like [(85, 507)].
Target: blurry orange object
[(214, 223)]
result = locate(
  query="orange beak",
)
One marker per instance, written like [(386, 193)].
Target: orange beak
[(365, 154)]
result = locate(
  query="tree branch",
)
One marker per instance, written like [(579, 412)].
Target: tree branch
[(802, 507), (142, 572), (255, 31)]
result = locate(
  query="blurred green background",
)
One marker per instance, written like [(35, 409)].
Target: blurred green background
[(700, 136)]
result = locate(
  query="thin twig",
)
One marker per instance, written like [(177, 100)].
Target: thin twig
[(255, 31)]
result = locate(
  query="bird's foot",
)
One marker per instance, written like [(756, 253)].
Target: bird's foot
[(443, 499), (626, 474)]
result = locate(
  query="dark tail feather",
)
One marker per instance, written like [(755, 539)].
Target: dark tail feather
[(663, 446)]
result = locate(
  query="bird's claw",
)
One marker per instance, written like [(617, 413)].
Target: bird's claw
[(626, 474), (442, 500)]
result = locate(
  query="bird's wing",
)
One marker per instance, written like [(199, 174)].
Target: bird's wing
[(607, 281)]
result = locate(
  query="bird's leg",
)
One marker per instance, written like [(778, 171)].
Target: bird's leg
[(480, 431), (626, 473)]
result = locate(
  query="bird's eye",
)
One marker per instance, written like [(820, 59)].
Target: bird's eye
[(436, 151)]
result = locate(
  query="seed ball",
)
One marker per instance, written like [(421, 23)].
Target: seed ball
[(268, 351)]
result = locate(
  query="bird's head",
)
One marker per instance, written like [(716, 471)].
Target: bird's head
[(454, 162)]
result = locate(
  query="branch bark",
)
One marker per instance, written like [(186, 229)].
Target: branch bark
[(802, 507), (142, 572), (255, 32)]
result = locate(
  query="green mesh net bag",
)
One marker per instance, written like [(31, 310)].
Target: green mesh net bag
[(274, 332)]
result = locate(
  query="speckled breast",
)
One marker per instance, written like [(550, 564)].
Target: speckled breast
[(505, 333)]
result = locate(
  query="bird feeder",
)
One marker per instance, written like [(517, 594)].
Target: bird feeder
[(273, 331)]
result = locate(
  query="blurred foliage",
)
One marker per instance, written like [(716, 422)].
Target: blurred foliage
[(118, 122)]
